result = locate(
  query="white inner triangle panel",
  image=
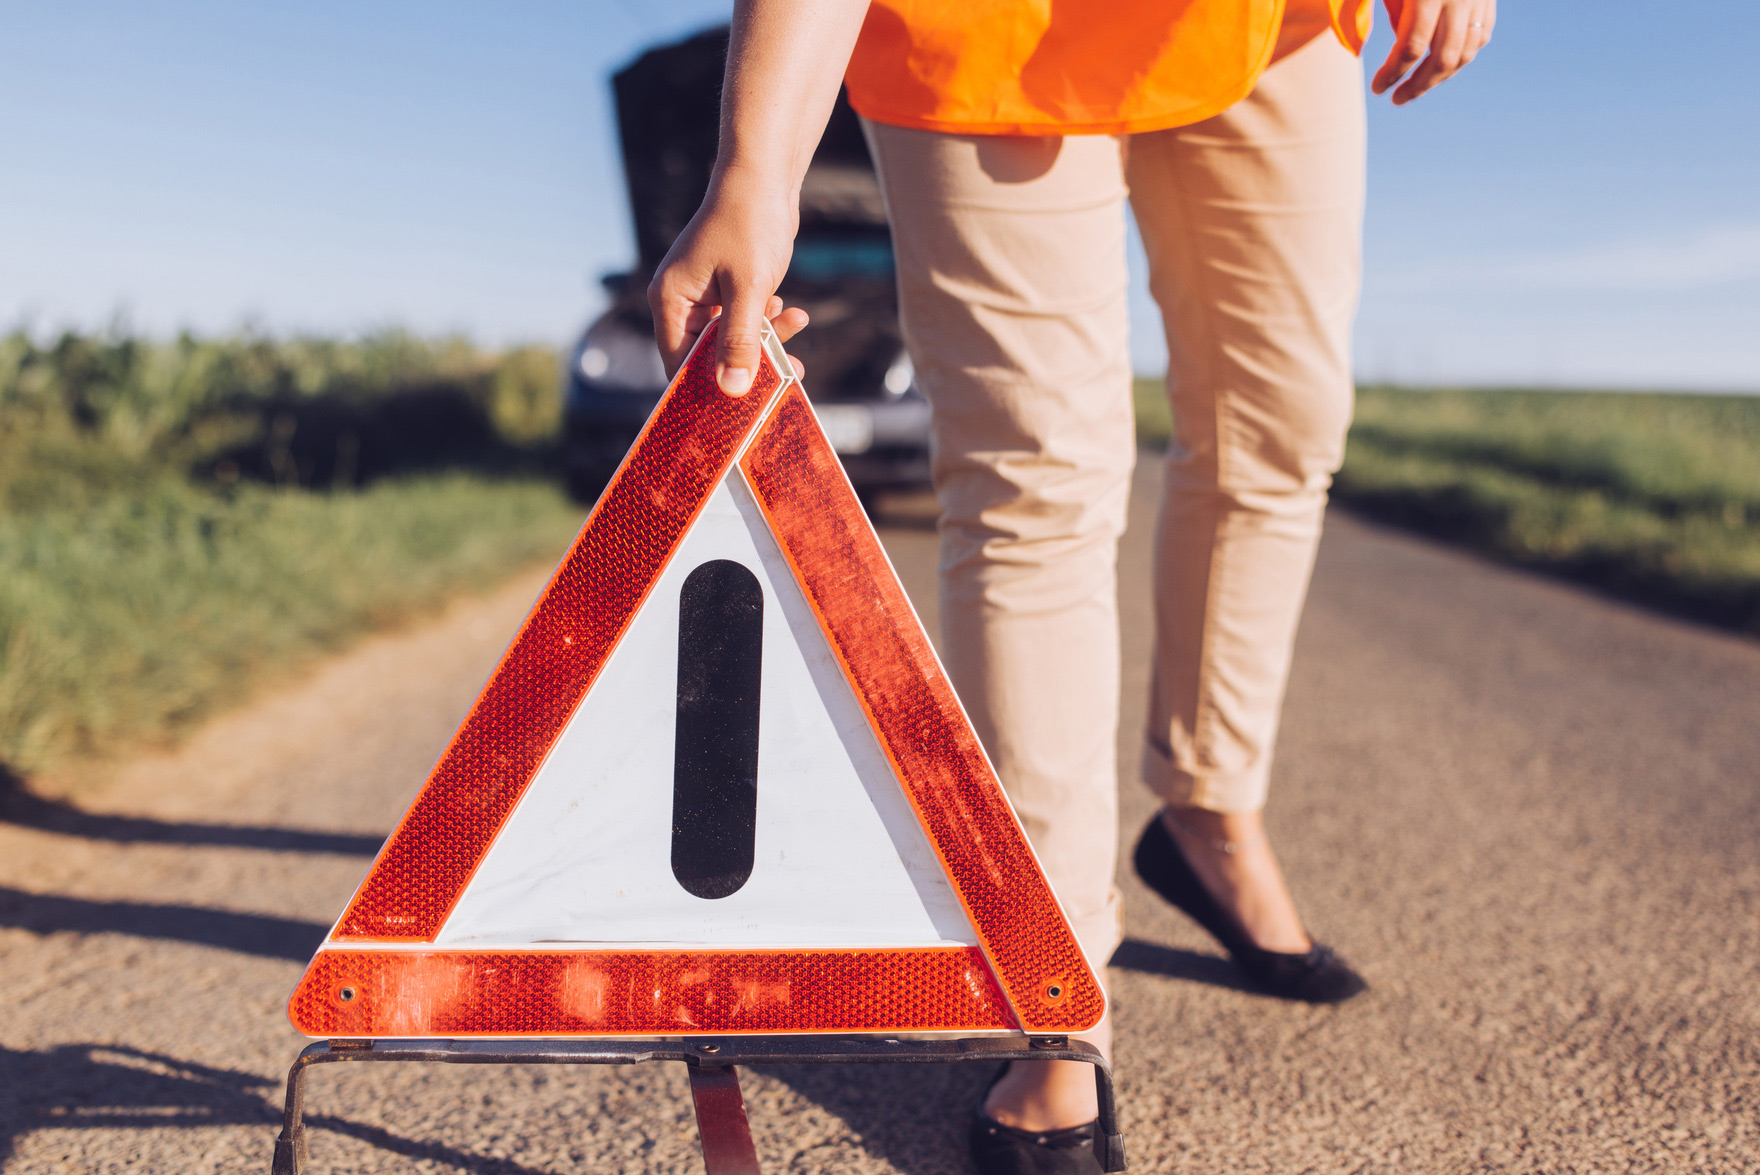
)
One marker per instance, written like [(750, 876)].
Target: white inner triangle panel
[(839, 858)]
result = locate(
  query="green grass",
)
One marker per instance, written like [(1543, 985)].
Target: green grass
[(140, 614), (1653, 496), (1154, 417), (179, 520), (149, 578)]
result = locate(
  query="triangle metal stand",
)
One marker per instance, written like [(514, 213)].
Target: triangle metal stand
[(721, 1112)]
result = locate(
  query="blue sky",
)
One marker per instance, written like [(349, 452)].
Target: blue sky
[(1582, 206)]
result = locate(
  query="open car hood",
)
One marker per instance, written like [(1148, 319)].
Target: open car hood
[(668, 116)]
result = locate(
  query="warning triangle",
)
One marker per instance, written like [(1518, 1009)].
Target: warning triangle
[(719, 783), (835, 854)]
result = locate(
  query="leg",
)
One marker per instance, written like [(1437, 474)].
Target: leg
[(1251, 220), (1012, 295)]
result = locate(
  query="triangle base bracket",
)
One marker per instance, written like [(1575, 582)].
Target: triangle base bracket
[(721, 1116)]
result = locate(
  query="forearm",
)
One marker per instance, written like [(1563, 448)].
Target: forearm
[(785, 61)]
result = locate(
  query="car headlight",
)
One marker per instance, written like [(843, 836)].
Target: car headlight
[(620, 360), (899, 377), (594, 362)]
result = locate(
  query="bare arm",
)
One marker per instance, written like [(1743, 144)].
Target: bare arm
[(785, 61)]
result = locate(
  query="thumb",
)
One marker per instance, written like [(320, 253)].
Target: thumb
[(738, 345)]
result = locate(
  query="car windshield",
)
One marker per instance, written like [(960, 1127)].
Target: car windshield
[(830, 258)]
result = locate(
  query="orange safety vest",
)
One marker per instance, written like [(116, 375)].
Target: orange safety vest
[(1050, 67)]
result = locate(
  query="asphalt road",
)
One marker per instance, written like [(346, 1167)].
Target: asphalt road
[(1529, 814)]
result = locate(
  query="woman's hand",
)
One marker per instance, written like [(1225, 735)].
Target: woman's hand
[(785, 60), (1451, 31), (728, 261)]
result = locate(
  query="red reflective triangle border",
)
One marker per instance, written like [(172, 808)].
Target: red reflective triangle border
[(373, 978), (837, 558), (681, 455)]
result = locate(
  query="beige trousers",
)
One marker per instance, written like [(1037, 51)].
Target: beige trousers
[(1011, 265)]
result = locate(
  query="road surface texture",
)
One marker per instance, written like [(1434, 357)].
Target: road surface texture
[(1529, 814)]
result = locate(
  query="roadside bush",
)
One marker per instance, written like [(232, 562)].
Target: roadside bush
[(1655, 497), (308, 412), (178, 518)]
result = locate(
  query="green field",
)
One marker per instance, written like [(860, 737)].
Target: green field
[(1653, 496), (179, 521)]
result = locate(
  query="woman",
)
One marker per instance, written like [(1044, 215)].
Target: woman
[(1008, 135)]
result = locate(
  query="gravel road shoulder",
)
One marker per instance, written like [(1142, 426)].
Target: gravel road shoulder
[(1529, 814)]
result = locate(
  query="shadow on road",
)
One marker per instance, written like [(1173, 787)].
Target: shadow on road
[(912, 1116), (94, 1086), (99, 1086), (251, 934), (1151, 958), (19, 806)]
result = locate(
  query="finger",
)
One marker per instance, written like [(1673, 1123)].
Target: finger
[(1470, 50), (1425, 76), (1479, 32), (1417, 26), (785, 321), (800, 369), (1411, 38), (678, 318), (700, 315), (695, 318), (1444, 61), (789, 323), (669, 326), (738, 344)]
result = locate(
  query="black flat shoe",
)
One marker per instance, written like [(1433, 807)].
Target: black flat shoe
[(1317, 975), (1005, 1150)]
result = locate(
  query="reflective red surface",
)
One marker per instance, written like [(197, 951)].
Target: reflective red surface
[(876, 635), (683, 452), (404, 993), (1029, 973)]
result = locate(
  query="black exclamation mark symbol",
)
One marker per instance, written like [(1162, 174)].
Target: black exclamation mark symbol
[(715, 763)]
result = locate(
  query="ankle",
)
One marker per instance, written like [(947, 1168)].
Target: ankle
[(1230, 833), (1044, 1095), (1231, 854)]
